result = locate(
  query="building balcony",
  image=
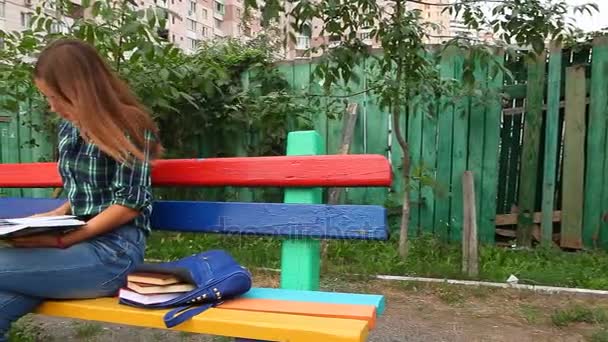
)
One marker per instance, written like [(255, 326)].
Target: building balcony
[(191, 34), (302, 43)]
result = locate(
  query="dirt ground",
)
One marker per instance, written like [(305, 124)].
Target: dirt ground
[(415, 312)]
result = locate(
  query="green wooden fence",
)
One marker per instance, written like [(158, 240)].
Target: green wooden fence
[(538, 157)]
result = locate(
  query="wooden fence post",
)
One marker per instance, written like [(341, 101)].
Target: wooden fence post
[(470, 245), (574, 158), (347, 139), (551, 134), (530, 153), (595, 192)]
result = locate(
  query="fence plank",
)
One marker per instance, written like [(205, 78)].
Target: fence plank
[(515, 147), (319, 118), (574, 157), (415, 145), (477, 134), (470, 248), (551, 141), (596, 144), (459, 155), (429, 166), (489, 188), (376, 130), (445, 121), (10, 149), (530, 153), (505, 136), (356, 86)]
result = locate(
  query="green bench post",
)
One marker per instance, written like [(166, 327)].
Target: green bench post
[(300, 258)]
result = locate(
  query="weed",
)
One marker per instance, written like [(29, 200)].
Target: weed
[(222, 339), (599, 336), (480, 292), (185, 336), (25, 331), (86, 331), (579, 314), (450, 295), (530, 313), (158, 336)]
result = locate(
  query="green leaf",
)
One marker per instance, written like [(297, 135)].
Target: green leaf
[(151, 15)]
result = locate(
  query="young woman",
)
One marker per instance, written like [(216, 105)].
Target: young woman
[(106, 143)]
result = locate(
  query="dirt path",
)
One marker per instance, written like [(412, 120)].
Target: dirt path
[(415, 312)]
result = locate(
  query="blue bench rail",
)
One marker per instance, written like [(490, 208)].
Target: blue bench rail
[(361, 222)]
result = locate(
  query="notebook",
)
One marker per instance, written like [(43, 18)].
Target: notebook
[(35, 225)]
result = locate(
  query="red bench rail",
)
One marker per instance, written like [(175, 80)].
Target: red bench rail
[(284, 171)]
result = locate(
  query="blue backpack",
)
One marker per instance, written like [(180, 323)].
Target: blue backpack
[(215, 275)]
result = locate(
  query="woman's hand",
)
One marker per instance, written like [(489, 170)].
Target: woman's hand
[(107, 220), (64, 209), (36, 241)]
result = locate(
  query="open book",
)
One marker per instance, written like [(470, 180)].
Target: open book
[(34, 225)]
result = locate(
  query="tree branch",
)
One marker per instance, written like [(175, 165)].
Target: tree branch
[(420, 2), (343, 96)]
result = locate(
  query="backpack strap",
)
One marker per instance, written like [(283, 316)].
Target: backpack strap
[(183, 313)]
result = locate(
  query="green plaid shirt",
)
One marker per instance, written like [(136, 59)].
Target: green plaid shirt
[(94, 181)]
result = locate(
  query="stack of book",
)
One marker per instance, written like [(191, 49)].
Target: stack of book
[(152, 288)]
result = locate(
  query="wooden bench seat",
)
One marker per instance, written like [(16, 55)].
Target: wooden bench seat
[(355, 313), (296, 312), (266, 326)]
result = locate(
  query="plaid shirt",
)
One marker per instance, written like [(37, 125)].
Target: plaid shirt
[(94, 181)]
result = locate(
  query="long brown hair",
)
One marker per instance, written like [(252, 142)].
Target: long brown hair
[(107, 112)]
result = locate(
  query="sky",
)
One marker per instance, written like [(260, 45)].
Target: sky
[(597, 21)]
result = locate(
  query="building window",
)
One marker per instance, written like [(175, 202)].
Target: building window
[(218, 23), (193, 7), (173, 19), (205, 31), (238, 12), (173, 38), (192, 25), (2, 9), (26, 19), (205, 14), (193, 43), (219, 7)]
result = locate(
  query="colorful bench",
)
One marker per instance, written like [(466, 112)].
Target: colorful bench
[(297, 311)]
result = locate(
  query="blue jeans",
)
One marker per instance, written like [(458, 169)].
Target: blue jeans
[(91, 269)]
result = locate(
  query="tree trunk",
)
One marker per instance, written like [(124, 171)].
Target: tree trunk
[(405, 211), (405, 173)]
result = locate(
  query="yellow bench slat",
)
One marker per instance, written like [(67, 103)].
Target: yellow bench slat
[(215, 321)]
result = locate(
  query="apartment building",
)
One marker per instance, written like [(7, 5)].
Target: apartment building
[(312, 36), (191, 21), (188, 21)]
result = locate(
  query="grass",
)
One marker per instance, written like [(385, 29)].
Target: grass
[(87, 331), (24, 330), (530, 313), (427, 257), (579, 314), (450, 295), (599, 336)]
